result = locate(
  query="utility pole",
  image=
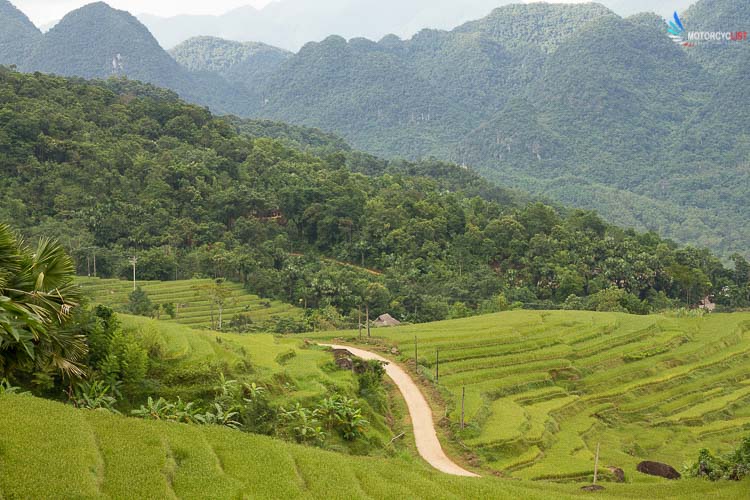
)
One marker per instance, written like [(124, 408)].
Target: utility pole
[(463, 400), (367, 314), (437, 365), (359, 320), (416, 356), (133, 262), (596, 463)]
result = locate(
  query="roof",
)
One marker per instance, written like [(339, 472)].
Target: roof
[(386, 320)]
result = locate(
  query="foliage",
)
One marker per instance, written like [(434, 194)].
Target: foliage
[(7, 388), (96, 395), (37, 301), (341, 413), (733, 466), (139, 303), (412, 239), (301, 424)]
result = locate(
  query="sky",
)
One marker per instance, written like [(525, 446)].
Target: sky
[(44, 11)]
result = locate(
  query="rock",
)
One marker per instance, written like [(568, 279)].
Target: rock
[(658, 469), (593, 487), (395, 351), (618, 473)]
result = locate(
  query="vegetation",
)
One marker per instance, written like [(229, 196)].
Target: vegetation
[(38, 338), (541, 97), (81, 454), (544, 388), (243, 64), (131, 170), (191, 303), (733, 466), (502, 93)]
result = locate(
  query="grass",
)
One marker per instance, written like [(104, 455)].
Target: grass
[(193, 308), (189, 362), (543, 388), (63, 452)]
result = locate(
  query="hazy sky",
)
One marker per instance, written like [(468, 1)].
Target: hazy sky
[(45, 11)]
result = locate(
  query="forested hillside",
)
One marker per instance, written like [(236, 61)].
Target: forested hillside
[(569, 101), (245, 64), (118, 168), (18, 35), (97, 41)]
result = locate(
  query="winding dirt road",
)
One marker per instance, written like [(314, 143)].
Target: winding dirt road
[(421, 415)]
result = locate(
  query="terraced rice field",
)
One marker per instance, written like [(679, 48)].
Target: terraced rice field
[(277, 362), (543, 388), (90, 454), (193, 308)]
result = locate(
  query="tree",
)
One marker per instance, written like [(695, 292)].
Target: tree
[(376, 295), (37, 299), (218, 294), (139, 303)]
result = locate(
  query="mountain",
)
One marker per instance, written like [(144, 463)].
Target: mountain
[(121, 166), (292, 23), (18, 35), (417, 97), (247, 64), (568, 101), (571, 102), (718, 15), (97, 41)]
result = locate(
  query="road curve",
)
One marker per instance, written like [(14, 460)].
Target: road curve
[(421, 415)]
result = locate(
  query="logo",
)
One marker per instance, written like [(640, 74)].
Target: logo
[(685, 38), (677, 32)]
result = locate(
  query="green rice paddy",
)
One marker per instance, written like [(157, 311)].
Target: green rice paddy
[(544, 388), (90, 454), (193, 308)]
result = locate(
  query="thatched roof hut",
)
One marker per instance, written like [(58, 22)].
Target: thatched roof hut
[(386, 320)]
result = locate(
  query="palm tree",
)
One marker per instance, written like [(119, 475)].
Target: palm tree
[(37, 297)]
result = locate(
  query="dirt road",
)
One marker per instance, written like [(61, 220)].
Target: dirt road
[(421, 415)]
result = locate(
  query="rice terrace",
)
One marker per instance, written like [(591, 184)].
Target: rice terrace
[(544, 388), (374, 249)]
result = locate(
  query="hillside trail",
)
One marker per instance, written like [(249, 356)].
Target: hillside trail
[(421, 415)]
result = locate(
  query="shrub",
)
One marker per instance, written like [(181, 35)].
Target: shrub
[(97, 395), (139, 303), (734, 466)]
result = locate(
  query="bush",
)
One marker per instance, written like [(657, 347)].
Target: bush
[(733, 466), (139, 303)]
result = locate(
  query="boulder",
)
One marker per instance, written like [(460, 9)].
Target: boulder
[(618, 474), (658, 469), (593, 487)]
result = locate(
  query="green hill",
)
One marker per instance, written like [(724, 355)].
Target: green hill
[(119, 168), (81, 454), (543, 421), (245, 64), (567, 101), (18, 37), (193, 307), (97, 41), (543, 388)]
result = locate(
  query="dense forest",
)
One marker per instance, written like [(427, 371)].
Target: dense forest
[(116, 168), (538, 97)]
